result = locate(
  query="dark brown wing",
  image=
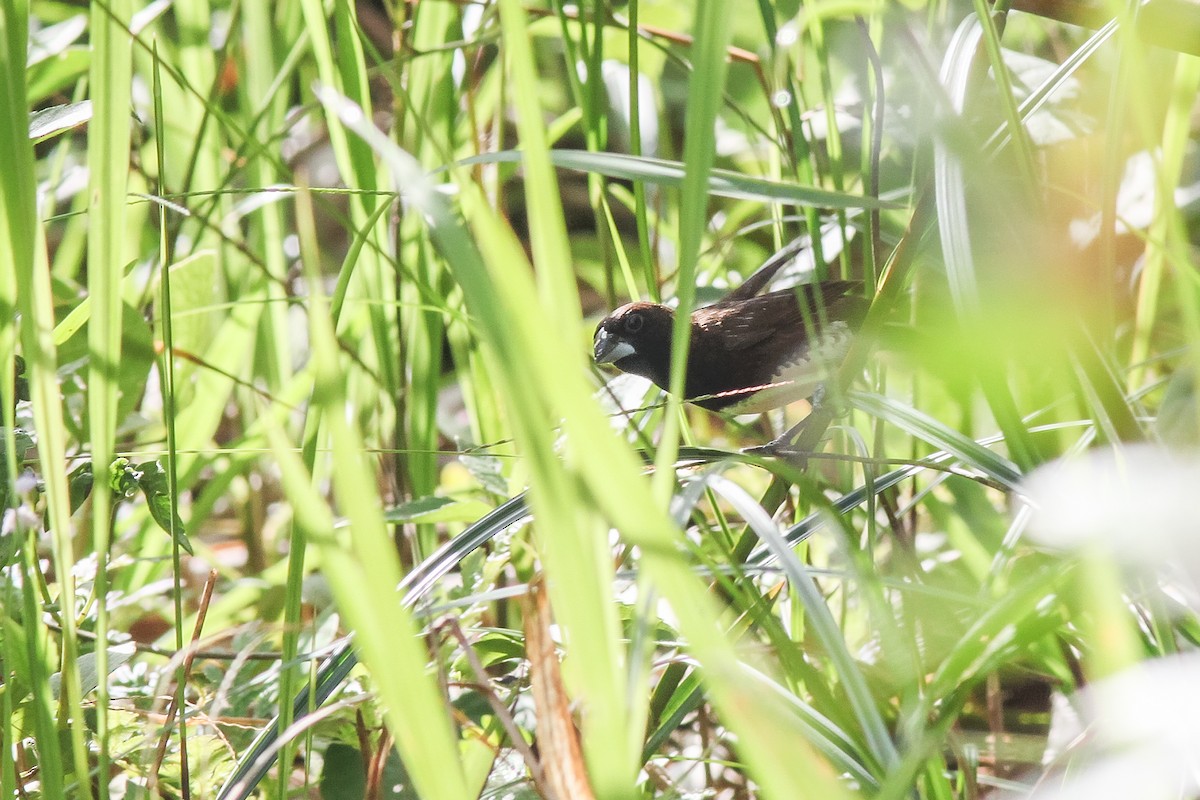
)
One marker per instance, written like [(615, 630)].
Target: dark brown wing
[(734, 325), (763, 275), (740, 346)]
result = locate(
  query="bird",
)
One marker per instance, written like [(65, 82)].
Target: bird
[(749, 352)]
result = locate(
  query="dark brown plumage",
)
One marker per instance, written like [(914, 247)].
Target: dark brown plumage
[(749, 352)]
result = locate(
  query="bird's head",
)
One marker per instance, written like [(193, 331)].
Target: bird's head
[(636, 338)]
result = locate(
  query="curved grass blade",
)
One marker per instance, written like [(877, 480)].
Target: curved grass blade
[(55, 120), (940, 435), (1042, 94), (418, 583), (951, 179), (883, 750), (259, 757)]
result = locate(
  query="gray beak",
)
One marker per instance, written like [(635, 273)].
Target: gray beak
[(609, 347)]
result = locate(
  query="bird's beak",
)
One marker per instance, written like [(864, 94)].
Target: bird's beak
[(609, 347)]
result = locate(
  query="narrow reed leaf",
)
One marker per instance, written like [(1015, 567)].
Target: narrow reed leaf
[(883, 750), (671, 174), (953, 176), (706, 90), (25, 294), (50, 122), (108, 177), (939, 435), (364, 577), (569, 538)]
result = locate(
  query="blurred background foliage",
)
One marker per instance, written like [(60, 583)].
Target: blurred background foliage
[(313, 285)]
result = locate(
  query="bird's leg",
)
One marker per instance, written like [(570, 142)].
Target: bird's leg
[(781, 445)]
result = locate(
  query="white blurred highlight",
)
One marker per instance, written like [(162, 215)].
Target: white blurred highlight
[(1137, 502), (1139, 734), (1141, 740)]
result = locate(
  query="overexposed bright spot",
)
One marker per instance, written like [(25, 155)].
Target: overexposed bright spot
[(218, 32), (1136, 201), (616, 76), (1139, 501), (621, 395), (350, 113), (730, 141), (1141, 729), (1084, 231)]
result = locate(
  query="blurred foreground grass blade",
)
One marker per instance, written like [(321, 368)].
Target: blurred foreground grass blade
[(954, 172), (540, 378), (883, 753), (108, 171), (25, 290), (386, 638), (572, 538), (705, 95), (364, 576)]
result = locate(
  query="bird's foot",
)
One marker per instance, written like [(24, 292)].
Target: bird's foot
[(829, 400), (818, 396), (783, 446)]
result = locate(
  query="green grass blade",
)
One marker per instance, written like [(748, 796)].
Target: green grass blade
[(882, 749), (364, 578), (108, 169), (580, 592), (939, 435), (672, 174), (706, 90), (24, 289)]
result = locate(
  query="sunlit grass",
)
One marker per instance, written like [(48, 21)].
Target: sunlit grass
[(377, 243)]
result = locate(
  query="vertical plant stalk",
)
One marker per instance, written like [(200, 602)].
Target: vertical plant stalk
[(640, 209), (179, 700), (714, 30), (1168, 236), (108, 174), (562, 764), (579, 586), (24, 290), (167, 381)]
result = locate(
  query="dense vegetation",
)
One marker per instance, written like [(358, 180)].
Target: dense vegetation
[(300, 309)]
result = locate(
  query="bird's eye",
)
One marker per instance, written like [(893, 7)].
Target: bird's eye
[(634, 323)]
